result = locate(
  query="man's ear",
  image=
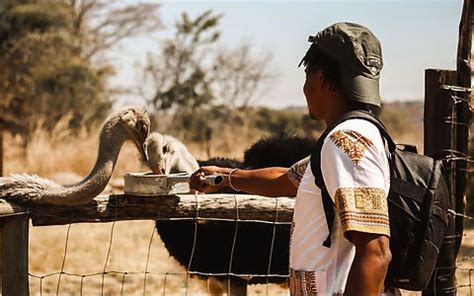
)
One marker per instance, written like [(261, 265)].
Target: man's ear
[(323, 81)]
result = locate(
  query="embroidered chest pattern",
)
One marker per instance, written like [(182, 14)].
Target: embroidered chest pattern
[(352, 143)]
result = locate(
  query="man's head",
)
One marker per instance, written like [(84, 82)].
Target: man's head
[(343, 61)]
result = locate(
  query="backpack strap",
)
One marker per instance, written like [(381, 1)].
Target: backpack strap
[(315, 162)]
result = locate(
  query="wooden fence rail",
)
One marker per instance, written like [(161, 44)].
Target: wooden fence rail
[(125, 207)]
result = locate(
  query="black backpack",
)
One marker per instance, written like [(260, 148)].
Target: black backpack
[(418, 204)]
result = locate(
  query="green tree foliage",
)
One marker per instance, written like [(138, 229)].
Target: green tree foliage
[(52, 56), (42, 78)]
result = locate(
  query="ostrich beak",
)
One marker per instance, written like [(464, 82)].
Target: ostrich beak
[(158, 171), (143, 152), (141, 146)]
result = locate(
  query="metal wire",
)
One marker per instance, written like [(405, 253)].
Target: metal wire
[(65, 253), (82, 284), (452, 158), (270, 256), (191, 257), (111, 237), (456, 88), (41, 286), (237, 218), (148, 260), (202, 219), (164, 284), (187, 273), (123, 283)]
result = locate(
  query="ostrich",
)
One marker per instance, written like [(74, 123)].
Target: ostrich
[(67, 178), (129, 124), (281, 150), (167, 154), (251, 253)]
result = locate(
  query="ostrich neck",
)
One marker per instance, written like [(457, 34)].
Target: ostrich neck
[(110, 143), (185, 162)]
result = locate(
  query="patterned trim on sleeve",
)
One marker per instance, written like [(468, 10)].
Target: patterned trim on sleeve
[(302, 283), (352, 143), (363, 209), (292, 229), (295, 172)]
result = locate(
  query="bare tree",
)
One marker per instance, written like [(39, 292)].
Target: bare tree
[(100, 25), (241, 76), (177, 75)]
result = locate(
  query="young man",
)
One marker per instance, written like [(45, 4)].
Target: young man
[(342, 69)]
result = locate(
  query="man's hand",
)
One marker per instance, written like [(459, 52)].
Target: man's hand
[(196, 180)]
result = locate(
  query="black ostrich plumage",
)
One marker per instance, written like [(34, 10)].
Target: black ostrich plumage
[(251, 254)]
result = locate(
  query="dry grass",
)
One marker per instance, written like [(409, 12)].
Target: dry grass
[(87, 251), (88, 244), (62, 152)]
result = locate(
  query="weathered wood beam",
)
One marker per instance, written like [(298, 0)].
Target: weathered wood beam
[(463, 112), (1, 153), (439, 140), (464, 45), (438, 106), (14, 254), (125, 207)]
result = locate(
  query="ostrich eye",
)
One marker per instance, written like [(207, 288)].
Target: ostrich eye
[(165, 149)]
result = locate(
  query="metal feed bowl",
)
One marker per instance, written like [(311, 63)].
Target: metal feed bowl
[(148, 184)]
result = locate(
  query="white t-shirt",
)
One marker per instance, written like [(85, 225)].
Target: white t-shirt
[(356, 172)]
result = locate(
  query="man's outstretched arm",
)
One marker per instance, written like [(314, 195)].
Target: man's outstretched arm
[(267, 181)]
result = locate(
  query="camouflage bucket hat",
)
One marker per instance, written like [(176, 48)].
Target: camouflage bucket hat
[(359, 56)]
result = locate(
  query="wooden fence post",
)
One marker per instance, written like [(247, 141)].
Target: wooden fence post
[(447, 121), (463, 110), (440, 138), (14, 229), (1, 153)]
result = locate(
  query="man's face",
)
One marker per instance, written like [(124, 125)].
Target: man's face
[(313, 92)]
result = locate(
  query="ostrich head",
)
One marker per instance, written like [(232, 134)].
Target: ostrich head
[(159, 154), (136, 122)]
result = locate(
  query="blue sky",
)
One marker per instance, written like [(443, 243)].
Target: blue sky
[(415, 35)]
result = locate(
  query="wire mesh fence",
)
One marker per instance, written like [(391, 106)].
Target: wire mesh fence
[(152, 272), (136, 262), (171, 279)]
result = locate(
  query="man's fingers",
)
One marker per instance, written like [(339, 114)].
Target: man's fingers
[(195, 181)]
